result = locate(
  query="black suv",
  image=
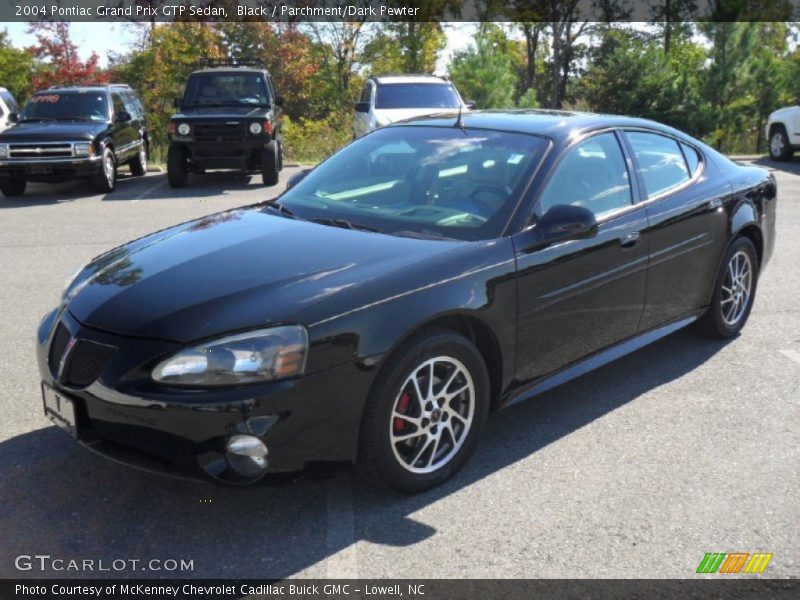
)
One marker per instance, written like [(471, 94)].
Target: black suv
[(66, 133), (229, 119)]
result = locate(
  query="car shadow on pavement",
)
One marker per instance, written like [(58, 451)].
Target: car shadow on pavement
[(211, 184), (59, 499), (790, 166), (42, 194)]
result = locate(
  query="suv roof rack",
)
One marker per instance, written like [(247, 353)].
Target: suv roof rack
[(232, 62), (91, 85)]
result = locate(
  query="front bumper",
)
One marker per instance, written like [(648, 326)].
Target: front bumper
[(50, 169), (125, 416)]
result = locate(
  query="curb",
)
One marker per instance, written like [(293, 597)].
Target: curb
[(154, 169)]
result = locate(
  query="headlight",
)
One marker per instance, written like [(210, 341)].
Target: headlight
[(3, 150), (255, 128), (261, 355), (84, 149), (184, 129)]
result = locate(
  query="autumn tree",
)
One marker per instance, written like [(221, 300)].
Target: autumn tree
[(63, 66)]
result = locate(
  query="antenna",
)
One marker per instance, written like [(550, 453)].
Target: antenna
[(459, 122)]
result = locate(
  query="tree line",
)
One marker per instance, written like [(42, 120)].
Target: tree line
[(715, 80)]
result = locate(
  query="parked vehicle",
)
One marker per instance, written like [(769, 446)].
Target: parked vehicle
[(9, 109), (388, 99), (67, 133), (230, 118), (783, 133), (421, 277)]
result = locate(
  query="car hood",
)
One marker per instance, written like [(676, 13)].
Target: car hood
[(392, 115), (52, 131), (218, 112), (231, 271)]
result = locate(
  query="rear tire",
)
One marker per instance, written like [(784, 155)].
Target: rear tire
[(138, 165), (13, 186), (106, 180), (734, 291), (177, 167), (270, 163), (414, 436), (780, 147)]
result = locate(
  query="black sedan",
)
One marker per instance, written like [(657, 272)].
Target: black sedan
[(392, 297)]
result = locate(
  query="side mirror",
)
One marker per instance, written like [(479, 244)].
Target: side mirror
[(362, 107), (563, 222), (123, 116), (13, 117), (297, 178), (279, 100), (176, 102), (470, 104)]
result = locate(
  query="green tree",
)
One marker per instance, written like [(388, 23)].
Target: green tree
[(17, 68), (485, 72)]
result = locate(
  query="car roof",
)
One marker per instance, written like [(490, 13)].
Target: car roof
[(231, 69), (560, 125), (409, 79), (111, 87)]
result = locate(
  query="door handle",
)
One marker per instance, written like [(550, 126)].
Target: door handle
[(630, 239)]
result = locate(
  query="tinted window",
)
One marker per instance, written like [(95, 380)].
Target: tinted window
[(692, 158), (119, 106), (660, 160), (416, 95), (429, 181), (226, 89), (66, 105), (592, 175)]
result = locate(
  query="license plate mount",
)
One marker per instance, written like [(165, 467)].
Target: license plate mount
[(60, 410)]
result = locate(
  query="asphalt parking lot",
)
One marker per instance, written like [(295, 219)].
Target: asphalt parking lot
[(633, 471)]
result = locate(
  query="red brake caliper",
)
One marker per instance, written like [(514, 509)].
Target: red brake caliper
[(402, 406)]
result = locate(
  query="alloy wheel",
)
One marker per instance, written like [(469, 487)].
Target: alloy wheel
[(776, 144), (736, 288), (432, 414), (108, 169)]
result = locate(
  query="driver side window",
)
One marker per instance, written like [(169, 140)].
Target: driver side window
[(592, 175)]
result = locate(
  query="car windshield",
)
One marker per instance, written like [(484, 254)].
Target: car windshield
[(421, 181), (226, 89), (58, 106), (416, 95)]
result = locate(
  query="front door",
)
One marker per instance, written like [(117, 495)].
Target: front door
[(580, 296)]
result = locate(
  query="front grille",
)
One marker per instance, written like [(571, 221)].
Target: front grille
[(57, 348), (86, 361), (218, 132), (41, 150)]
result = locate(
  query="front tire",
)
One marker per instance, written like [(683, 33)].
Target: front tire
[(106, 180), (13, 186), (425, 413), (734, 291), (270, 163), (177, 167), (780, 148)]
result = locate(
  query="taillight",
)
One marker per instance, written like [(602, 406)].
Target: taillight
[(171, 128), (268, 127)]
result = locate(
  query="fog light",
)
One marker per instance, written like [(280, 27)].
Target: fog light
[(247, 455)]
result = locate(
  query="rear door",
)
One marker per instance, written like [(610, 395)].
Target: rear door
[(686, 224), (580, 296)]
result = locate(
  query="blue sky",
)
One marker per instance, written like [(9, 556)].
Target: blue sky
[(117, 37)]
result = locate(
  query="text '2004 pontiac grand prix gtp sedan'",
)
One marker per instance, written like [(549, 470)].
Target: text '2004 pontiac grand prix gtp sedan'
[(392, 297)]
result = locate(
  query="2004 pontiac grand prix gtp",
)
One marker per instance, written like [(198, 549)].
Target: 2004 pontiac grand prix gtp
[(380, 308)]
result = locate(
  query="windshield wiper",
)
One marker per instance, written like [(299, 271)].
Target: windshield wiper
[(34, 119), (420, 235), (345, 224), (71, 118), (280, 208)]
